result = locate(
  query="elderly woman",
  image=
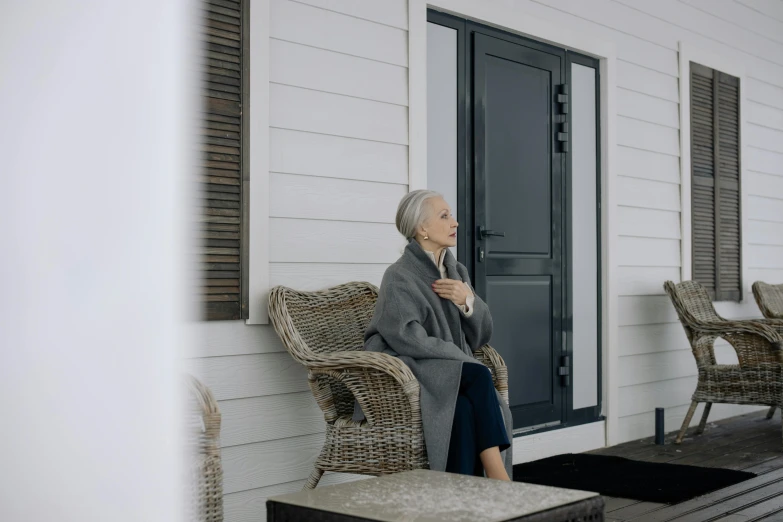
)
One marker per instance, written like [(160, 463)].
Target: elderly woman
[(428, 315)]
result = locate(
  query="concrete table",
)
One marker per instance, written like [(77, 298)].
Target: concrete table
[(432, 496)]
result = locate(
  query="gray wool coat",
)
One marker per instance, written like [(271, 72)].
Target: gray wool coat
[(431, 336)]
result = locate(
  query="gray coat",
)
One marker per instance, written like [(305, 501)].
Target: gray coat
[(431, 336)]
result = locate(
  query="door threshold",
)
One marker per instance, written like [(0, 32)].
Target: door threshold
[(549, 441), (537, 427)]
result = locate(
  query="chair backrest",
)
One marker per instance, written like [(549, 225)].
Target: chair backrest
[(769, 298), (692, 302), (315, 323)]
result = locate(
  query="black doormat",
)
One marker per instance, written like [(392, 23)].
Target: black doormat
[(625, 478)]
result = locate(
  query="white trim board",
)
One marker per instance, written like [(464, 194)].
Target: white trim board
[(577, 439), (513, 18), (691, 53), (258, 143)]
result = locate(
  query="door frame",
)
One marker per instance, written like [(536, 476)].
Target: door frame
[(514, 19)]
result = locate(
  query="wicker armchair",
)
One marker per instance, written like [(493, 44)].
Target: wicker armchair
[(770, 299), (324, 331), (757, 379), (204, 495)]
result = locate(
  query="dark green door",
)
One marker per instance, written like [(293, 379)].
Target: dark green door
[(518, 192)]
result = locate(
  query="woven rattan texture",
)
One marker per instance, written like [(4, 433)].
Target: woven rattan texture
[(757, 379), (770, 299), (324, 331), (205, 470)]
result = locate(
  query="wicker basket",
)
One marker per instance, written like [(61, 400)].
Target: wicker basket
[(204, 469)]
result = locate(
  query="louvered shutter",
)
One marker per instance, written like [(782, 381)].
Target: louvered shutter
[(221, 193), (715, 186)]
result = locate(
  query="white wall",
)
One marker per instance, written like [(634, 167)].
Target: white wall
[(339, 164), (338, 133), (91, 206)]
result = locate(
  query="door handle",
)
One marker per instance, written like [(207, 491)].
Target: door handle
[(484, 233)]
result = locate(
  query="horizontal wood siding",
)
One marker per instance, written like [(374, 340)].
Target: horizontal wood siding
[(339, 163), (338, 99)]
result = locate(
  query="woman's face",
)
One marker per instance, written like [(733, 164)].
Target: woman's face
[(440, 226)]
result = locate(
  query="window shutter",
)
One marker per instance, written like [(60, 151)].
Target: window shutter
[(728, 187), (221, 166), (703, 177), (715, 187)]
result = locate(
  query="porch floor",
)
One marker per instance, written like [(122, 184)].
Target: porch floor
[(748, 442)]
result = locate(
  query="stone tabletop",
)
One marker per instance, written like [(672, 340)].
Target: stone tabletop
[(432, 496)]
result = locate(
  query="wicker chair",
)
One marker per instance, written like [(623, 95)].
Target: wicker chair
[(205, 471), (770, 299), (757, 379), (324, 331)]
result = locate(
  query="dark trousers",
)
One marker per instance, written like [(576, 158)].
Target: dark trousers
[(478, 422)]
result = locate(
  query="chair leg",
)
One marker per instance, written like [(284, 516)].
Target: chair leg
[(686, 422), (704, 416), (315, 476), (771, 412)]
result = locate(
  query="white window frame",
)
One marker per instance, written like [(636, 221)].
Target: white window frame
[(691, 53), (258, 143), (515, 19)]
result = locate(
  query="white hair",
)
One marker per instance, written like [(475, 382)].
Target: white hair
[(411, 212)]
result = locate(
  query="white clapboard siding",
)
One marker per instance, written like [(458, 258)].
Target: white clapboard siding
[(645, 280), (644, 164), (765, 93), (765, 233), (652, 338), (630, 48), (271, 462), (662, 394), (643, 425), (317, 276), (294, 152), (386, 12), (644, 222), (220, 338), (652, 367), (308, 197), (759, 160), (766, 185), (647, 81), (635, 251), (764, 256), (661, 366), (764, 137), (764, 115), (239, 376), (313, 111), (271, 417), (763, 208), (250, 506), (304, 66), (316, 241), (635, 192), (648, 108), (647, 136), (645, 310), (735, 13), (769, 8), (676, 21), (770, 275), (317, 27)]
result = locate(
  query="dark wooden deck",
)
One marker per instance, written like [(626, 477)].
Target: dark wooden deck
[(749, 442)]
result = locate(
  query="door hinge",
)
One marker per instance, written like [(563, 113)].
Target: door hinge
[(564, 371), (562, 98)]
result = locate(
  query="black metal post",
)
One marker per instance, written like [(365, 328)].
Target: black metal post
[(659, 431)]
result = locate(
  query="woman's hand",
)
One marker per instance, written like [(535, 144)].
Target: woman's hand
[(455, 291)]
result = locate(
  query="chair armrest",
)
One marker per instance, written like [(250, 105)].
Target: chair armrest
[(755, 341), (497, 367), (384, 386)]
